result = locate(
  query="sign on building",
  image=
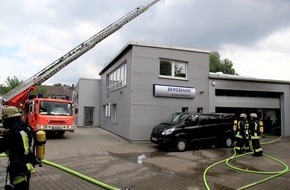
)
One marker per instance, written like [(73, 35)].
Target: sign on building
[(173, 91)]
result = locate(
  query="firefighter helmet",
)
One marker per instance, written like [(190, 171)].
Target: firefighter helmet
[(243, 115), (10, 111), (253, 115)]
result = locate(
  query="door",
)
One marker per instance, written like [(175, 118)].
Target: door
[(206, 127), (192, 128), (89, 116)]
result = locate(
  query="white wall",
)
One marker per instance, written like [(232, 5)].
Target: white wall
[(88, 94)]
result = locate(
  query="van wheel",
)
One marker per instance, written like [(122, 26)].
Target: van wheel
[(181, 145), (228, 142)]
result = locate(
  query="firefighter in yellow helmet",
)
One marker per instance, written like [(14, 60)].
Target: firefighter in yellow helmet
[(16, 142), (242, 136), (255, 133)]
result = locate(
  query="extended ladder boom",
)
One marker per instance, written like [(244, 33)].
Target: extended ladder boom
[(73, 54)]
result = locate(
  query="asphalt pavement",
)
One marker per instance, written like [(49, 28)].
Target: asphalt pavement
[(103, 158)]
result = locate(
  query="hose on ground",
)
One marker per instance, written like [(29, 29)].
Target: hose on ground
[(89, 179), (73, 172), (273, 174)]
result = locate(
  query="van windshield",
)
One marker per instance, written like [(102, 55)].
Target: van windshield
[(174, 118)]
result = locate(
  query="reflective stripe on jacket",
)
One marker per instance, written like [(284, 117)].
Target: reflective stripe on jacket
[(241, 129), (255, 132), (25, 142)]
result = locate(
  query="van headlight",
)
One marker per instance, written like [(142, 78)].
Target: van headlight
[(168, 131)]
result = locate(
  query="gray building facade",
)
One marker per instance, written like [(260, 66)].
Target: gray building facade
[(87, 102), (132, 105), (268, 98), (143, 84)]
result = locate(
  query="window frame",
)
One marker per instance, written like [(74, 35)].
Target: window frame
[(117, 78), (114, 113), (173, 64)]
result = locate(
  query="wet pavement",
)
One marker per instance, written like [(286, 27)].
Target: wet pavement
[(109, 159)]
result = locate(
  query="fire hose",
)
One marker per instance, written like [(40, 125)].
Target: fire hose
[(89, 179), (73, 172), (273, 174)]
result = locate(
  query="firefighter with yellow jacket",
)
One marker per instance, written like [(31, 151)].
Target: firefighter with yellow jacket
[(256, 129), (242, 135), (16, 142)]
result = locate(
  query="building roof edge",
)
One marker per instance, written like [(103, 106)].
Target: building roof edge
[(130, 44), (222, 76)]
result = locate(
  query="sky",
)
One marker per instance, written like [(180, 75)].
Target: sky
[(253, 34)]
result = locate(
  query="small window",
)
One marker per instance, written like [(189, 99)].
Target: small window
[(180, 70), (108, 110), (114, 113), (172, 69), (184, 109), (199, 110), (165, 68), (104, 112)]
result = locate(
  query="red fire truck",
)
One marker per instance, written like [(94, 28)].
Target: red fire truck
[(48, 114)]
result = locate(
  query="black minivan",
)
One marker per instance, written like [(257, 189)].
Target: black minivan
[(183, 129)]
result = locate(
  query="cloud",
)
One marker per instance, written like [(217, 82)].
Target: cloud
[(39, 32), (268, 58)]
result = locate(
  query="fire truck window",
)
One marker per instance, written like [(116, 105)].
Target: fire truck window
[(44, 108)]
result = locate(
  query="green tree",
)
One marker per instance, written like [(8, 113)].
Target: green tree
[(39, 90), (11, 83), (218, 65), (57, 84), (60, 85)]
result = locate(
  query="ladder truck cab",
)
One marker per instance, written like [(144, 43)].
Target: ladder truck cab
[(49, 114)]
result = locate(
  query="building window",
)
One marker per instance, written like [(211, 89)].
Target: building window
[(114, 113), (172, 69), (199, 110), (108, 110), (104, 112), (184, 109), (117, 78)]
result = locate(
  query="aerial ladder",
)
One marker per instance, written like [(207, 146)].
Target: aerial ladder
[(19, 94)]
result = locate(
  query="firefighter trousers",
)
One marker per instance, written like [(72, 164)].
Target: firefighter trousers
[(258, 151), (18, 183), (243, 145)]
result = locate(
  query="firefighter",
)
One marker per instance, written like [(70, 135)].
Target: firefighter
[(242, 144), (247, 138), (255, 133), (17, 143)]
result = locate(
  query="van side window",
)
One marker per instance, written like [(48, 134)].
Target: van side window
[(229, 118), (214, 120), (193, 120), (204, 120)]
